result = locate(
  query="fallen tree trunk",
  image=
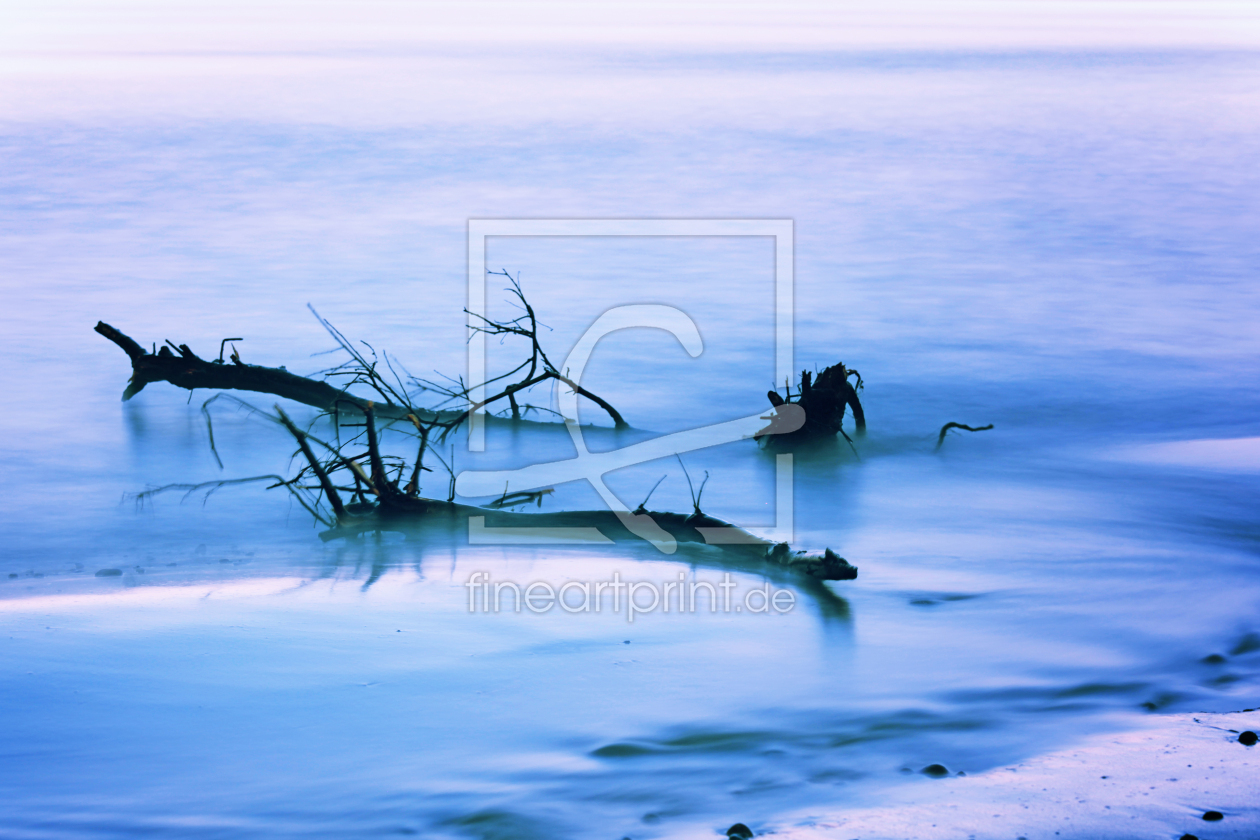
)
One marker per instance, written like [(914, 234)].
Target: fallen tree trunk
[(185, 369), (409, 513), (395, 506), (385, 505), (402, 508)]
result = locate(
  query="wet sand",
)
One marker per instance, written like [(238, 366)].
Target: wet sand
[(1156, 781)]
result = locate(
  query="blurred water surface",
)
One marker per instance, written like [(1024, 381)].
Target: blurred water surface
[(1061, 243)]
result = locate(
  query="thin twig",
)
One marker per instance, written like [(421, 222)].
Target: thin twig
[(329, 490), (642, 508), (690, 489)]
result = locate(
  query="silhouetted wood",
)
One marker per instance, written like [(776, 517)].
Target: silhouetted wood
[(397, 507), (404, 514), (330, 492), (403, 508), (536, 369), (824, 399), (185, 369), (940, 439)]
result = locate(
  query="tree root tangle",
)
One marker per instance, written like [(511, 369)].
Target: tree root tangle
[(824, 399)]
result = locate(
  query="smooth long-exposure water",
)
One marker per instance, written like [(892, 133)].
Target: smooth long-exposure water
[(1058, 242)]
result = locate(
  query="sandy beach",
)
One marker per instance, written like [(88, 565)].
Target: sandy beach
[(1156, 781)]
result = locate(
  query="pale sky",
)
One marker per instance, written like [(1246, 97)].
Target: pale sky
[(150, 25)]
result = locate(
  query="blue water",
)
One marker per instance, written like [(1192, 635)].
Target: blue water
[(1061, 243)]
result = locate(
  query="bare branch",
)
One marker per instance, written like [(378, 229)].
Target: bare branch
[(940, 439)]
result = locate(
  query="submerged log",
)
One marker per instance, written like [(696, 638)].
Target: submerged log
[(403, 513), (396, 508), (450, 521)]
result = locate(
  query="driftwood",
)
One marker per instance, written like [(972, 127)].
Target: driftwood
[(395, 507), (940, 439), (824, 399), (685, 528), (185, 369), (537, 368), (382, 503), (352, 486), (180, 366)]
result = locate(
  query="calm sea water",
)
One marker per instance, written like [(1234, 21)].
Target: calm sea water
[(1060, 243)]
